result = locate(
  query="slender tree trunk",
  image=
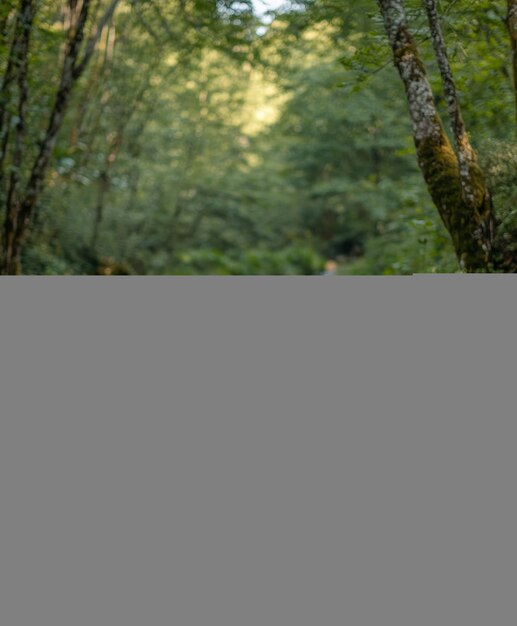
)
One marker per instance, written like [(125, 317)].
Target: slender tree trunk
[(471, 176), (21, 71), (81, 117), (105, 184), (511, 21), (463, 209), (8, 80), (6, 8), (115, 143), (73, 67), (12, 247), (466, 155)]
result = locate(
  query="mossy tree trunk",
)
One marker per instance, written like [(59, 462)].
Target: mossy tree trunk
[(454, 179)]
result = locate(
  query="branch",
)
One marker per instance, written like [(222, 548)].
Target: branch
[(80, 66)]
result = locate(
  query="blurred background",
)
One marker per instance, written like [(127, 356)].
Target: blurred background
[(259, 137)]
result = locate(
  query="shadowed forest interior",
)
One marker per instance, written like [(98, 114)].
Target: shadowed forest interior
[(173, 137)]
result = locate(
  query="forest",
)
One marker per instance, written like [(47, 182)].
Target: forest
[(213, 137)]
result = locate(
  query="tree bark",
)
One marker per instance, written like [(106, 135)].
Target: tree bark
[(105, 184), (466, 155), (511, 22), (73, 67), (460, 197), (5, 10), (8, 80), (12, 247), (471, 176), (21, 63)]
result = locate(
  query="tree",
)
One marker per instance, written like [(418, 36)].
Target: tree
[(511, 20), (195, 142), (21, 197), (56, 129), (456, 181)]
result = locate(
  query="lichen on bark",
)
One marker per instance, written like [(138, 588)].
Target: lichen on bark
[(454, 179), (440, 168)]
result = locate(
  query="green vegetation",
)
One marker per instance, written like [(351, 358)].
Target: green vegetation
[(196, 137)]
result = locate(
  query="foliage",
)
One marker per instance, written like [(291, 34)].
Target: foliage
[(200, 141)]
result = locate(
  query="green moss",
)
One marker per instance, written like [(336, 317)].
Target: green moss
[(440, 168)]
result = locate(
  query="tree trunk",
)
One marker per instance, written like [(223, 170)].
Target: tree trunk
[(73, 67), (456, 184), (105, 184), (9, 78), (21, 63), (466, 156), (511, 22)]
